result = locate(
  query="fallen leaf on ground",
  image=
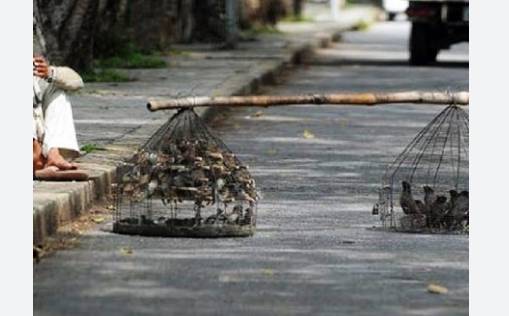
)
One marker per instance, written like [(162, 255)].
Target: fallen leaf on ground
[(437, 289), (224, 278), (111, 207), (308, 134), (98, 219), (268, 272), (258, 114), (272, 151), (343, 123), (126, 251)]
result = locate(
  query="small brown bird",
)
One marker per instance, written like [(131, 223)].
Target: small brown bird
[(406, 200), (248, 216), (451, 205), (462, 202), (429, 198), (376, 209), (235, 215), (198, 176), (421, 208), (190, 152), (452, 201), (438, 210), (458, 208), (216, 218), (243, 196)]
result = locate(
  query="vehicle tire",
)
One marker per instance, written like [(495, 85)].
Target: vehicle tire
[(391, 16), (423, 49)]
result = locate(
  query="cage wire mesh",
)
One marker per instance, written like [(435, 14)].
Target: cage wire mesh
[(185, 182), (425, 189)]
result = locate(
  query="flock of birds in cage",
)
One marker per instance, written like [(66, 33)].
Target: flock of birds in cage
[(425, 189), (199, 185)]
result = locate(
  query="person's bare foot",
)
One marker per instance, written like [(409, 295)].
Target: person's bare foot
[(56, 159), (38, 158)]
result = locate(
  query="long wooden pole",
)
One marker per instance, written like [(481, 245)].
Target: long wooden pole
[(363, 99)]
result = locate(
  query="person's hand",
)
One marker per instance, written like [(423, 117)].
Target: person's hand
[(41, 67)]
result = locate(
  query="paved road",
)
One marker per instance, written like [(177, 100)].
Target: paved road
[(313, 252)]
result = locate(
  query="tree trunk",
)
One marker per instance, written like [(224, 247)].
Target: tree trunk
[(297, 8), (68, 30)]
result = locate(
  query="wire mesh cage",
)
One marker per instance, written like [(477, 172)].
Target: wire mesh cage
[(185, 182), (425, 189)]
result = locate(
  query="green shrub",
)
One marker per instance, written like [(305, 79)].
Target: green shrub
[(88, 148), (131, 60)]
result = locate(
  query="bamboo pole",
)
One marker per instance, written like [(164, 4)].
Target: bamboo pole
[(362, 99)]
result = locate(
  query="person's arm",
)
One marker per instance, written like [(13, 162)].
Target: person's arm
[(61, 77), (65, 78)]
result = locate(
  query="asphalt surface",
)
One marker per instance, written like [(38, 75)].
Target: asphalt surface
[(314, 251)]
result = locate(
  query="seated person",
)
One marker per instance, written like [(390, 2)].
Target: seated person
[(54, 137)]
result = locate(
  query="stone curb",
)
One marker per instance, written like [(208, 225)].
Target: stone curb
[(58, 203)]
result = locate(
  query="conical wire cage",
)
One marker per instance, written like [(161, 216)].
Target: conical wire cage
[(425, 189), (185, 182)]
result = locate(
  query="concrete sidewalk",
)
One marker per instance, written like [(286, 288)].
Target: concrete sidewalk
[(113, 116)]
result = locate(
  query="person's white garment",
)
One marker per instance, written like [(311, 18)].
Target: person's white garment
[(53, 123)]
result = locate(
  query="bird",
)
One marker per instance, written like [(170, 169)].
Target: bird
[(152, 186), (462, 202), (464, 205), (210, 220), (197, 213), (429, 198), (235, 215), (221, 215), (160, 220), (429, 195), (451, 205), (248, 216), (376, 209), (438, 210), (198, 176), (458, 210), (454, 195), (220, 184), (406, 200), (215, 218), (420, 206), (243, 196), (152, 158)]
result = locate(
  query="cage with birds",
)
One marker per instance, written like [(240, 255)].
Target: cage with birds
[(185, 182), (425, 189)]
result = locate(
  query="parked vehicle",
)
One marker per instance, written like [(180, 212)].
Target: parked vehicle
[(436, 25), (394, 7)]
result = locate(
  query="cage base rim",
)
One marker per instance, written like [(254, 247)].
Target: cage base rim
[(203, 231), (418, 231)]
